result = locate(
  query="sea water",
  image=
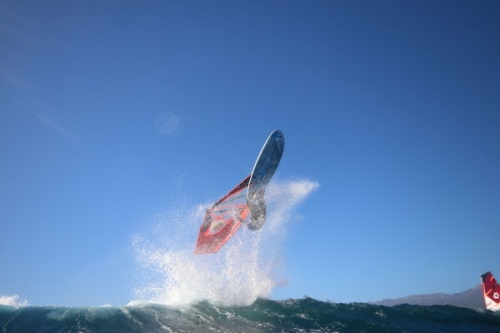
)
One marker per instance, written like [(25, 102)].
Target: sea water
[(297, 315)]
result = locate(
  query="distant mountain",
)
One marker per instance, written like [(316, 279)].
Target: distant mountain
[(472, 299)]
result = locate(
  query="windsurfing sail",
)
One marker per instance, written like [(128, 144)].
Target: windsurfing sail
[(243, 204), (491, 292), (223, 219)]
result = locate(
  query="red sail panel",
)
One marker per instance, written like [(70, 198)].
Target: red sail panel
[(222, 220)]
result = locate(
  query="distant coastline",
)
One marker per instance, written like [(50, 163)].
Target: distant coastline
[(471, 299)]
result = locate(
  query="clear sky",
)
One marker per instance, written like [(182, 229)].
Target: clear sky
[(112, 112)]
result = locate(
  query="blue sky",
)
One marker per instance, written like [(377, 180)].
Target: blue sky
[(113, 112)]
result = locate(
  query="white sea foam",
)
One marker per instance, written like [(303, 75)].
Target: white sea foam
[(13, 300), (246, 268)]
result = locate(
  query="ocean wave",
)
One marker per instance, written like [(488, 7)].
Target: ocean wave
[(294, 315)]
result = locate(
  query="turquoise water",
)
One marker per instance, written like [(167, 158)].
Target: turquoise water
[(298, 315)]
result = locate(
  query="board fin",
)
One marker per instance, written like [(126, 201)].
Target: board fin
[(491, 292)]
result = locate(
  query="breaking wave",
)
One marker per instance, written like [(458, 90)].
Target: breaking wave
[(302, 315)]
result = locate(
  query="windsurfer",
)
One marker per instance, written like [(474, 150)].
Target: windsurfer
[(258, 211)]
